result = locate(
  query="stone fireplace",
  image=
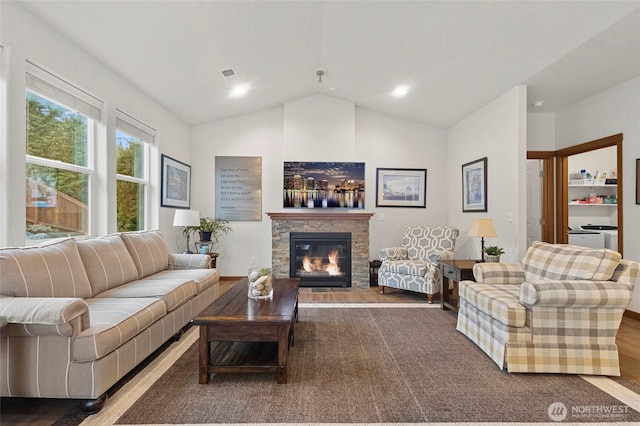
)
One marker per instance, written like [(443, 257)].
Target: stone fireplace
[(356, 224)]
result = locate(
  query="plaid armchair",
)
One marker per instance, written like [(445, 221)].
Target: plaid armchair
[(414, 265), (558, 311)]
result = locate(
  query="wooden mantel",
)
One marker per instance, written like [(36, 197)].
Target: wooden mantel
[(301, 215)]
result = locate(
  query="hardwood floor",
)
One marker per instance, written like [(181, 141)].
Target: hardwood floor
[(29, 411), (628, 341)]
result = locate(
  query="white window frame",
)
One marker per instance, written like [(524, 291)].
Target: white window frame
[(55, 89), (146, 134)]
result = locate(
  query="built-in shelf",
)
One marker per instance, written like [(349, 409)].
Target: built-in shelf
[(594, 204), (592, 186)]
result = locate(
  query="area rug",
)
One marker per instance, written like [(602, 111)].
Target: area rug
[(374, 365)]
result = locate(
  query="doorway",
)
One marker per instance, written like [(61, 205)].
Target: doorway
[(563, 190), (544, 206)]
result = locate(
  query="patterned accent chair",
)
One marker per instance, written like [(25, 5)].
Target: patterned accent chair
[(414, 265), (558, 311)]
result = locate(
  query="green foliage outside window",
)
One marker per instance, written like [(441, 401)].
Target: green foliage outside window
[(57, 198), (130, 195), (57, 133)]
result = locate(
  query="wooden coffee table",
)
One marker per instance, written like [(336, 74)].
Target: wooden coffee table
[(253, 336)]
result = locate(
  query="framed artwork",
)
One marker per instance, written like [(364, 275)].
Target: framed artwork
[(401, 187), (325, 185), (637, 180), (238, 189), (474, 186), (175, 183)]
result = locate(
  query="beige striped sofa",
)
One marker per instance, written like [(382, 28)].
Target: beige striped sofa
[(79, 315), (558, 311)]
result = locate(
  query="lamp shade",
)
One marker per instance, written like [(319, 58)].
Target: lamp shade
[(186, 218), (482, 228)]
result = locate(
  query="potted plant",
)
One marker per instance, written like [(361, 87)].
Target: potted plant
[(211, 228), (493, 253)]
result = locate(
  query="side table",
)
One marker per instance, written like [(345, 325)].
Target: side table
[(206, 245), (374, 265), (214, 258), (454, 271)]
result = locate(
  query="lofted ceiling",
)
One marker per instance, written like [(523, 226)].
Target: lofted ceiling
[(454, 56)]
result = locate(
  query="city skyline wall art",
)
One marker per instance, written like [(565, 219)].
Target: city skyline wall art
[(309, 184)]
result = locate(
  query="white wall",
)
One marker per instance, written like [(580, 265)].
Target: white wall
[(26, 37), (258, 134), (383, 141), (541, 132), (317, 127), (282, 134), (613, 111), (498, 132)]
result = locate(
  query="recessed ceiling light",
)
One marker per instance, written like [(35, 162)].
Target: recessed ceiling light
[(537, 104), (400, 91), (239, 90), (333, 88)]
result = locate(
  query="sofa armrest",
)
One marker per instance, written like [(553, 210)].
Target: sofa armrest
[(189, 261), (575, 293), (393, 253), (41, 316), (498, 273)]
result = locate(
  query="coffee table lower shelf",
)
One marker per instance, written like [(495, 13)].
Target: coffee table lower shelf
[(243, 357)]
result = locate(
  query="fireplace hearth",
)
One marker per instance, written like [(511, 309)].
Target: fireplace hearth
[(320, 259)]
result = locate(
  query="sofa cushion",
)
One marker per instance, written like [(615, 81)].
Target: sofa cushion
[(148, 250), (113, 322), (51, 269), (204, 278), (565, 262), (500, 302), (107, 261), (174, 292), (407, 267)]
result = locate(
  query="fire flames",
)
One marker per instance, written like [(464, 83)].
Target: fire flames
[(316, 264)]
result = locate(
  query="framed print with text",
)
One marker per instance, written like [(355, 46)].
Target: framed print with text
[(175, 183), (401, 187), (474, 186)]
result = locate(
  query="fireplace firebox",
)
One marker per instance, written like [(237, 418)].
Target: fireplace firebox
[(320, 259)]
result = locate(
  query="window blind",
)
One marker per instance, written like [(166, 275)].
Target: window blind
[(56, 89), (134, 127)]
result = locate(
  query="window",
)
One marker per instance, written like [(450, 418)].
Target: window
[(60, 130), (132, 181)]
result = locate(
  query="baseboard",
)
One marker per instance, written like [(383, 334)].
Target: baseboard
[(632, 314), (234, 279)]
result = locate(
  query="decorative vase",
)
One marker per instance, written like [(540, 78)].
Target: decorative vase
[(205, 236), (260, 283), (490, 258), (204, 247)]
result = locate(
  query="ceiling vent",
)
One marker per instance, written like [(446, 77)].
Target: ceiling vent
[(230, 75)]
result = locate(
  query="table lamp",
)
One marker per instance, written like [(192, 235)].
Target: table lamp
[(482, 228), (186, 218)]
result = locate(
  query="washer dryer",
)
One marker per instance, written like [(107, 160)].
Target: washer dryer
[(586, 238), (610, 233)]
